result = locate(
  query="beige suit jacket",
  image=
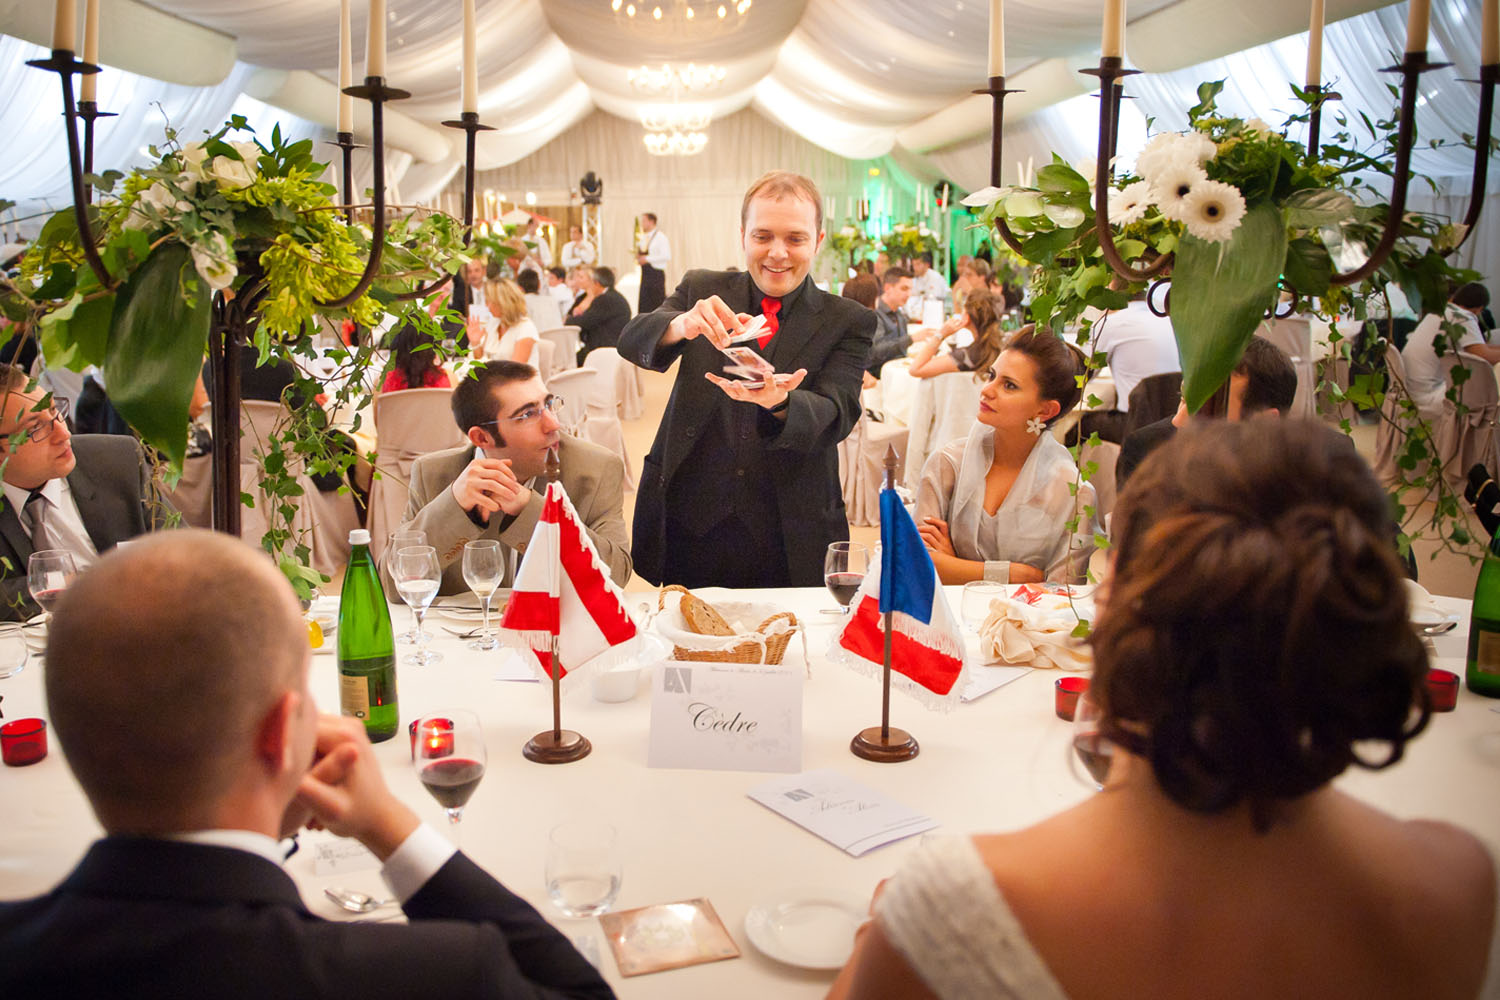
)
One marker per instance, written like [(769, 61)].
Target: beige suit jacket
[(593, 476)]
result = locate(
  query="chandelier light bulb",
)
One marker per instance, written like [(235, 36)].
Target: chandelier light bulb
[(656, 13), (722, 11)]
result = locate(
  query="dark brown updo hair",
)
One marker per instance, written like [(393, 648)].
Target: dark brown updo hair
[(984, 320), (1255, 627), (1057, 365)]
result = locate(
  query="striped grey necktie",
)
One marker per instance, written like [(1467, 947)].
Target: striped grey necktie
[(36, 514)]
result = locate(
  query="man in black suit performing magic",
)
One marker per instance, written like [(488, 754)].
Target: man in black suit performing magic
[(741, 488)]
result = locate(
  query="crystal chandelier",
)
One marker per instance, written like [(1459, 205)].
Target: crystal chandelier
[(668, 79), (675, 117), (675, 143), (679, 11)]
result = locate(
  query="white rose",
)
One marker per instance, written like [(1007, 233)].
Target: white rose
[(924, 231), (248, 151), (155, 203), (1201, 146), (1258, 127), (230, 174), (194, 157), (214, 261), (848, 231)]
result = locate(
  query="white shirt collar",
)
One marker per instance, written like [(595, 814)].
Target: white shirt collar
[(239, 840), (53, 489)]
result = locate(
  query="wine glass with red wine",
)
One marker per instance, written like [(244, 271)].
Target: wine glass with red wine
[(1090, 747), (448, 755), (844, 570)]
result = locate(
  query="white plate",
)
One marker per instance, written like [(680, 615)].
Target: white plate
[(812, 930), (466, 615)]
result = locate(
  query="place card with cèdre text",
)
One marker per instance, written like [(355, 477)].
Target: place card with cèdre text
[(726, 717), (850, 816)]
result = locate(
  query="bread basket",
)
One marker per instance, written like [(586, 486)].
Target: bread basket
[(762, 643)]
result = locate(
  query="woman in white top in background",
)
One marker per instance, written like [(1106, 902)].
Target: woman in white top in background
[(997, 504), (514, 339), (1252, 645)]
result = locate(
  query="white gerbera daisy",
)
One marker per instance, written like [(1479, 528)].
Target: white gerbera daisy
[(1212, 210), (1129, 204), (1200, 146), (1173, 184), (1165, 150)]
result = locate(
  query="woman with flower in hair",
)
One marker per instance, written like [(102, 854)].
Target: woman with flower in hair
[(996, 505), (1252, 645)]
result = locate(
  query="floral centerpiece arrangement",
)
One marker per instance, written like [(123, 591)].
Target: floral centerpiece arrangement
[(208, 228), (849, 243), (909, 239)]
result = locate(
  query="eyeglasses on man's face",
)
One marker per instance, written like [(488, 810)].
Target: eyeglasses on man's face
[(534, 412), (38, 425)]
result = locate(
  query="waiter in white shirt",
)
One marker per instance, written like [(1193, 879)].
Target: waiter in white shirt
[(653, 254), (577, 252)]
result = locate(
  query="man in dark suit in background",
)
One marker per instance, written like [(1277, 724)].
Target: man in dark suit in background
[(84, 494), (601, 314), (741, 488), (176, 681)]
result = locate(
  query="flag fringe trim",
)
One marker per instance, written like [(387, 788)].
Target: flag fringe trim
[(943, 703)]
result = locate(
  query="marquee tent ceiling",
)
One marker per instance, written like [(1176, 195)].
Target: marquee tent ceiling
[(858, 77)]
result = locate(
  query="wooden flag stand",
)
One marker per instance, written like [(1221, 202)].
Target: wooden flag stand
[(881, 743), (558, 745)]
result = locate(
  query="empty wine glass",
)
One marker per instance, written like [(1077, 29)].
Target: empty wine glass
[(48, 573), (13, 651), (418, 575), (974, 606), (1090, 747), (401, 540), (484, 565), (844, 569), (448, 755), (583, 868)]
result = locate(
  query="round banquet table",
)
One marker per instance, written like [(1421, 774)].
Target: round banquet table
[(998, 763)]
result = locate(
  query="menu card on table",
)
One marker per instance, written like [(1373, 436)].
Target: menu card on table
[(850, 816)]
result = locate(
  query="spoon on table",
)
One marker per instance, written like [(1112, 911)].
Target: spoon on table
[(354, 901), (1438, 628)]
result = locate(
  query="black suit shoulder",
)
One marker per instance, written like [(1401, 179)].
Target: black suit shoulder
[(1138, 444)]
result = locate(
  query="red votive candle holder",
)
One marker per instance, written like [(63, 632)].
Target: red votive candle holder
[(1442, 686), (436, 738), (1065, 698), (23, 741)]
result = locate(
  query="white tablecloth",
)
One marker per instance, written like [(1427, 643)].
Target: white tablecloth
[(997, 764)]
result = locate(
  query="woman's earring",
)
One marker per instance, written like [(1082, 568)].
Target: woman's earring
[(1035, 426)]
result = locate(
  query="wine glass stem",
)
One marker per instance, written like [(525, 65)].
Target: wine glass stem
[(417, 628), (454, 815), (421, 637), (485, 600)]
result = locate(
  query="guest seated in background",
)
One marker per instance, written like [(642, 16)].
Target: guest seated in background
[(557, 287), (1426, 374), (515, 336), (476, 272), (996, 505), (976, 345), (927, 285), (1253, 645), (973, 276), (490, 488), (863, 288), (414, 362), (1263, 381), (601, 314), (891, 337), (84, 494), (540, 308), (1137, 343), (192, 646)]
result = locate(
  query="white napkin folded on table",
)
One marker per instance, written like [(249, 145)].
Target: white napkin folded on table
[(1035, 635)]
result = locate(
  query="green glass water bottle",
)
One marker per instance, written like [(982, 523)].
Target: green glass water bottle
[(1483, 674), (367, 649)]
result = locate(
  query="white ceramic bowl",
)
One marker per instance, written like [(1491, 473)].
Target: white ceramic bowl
[(623, 681)]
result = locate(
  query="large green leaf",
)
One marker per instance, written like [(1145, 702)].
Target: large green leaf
[(1220, 293), (156, 346)]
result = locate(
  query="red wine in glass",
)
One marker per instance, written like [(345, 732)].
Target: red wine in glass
[(843, 586), (452, 780)]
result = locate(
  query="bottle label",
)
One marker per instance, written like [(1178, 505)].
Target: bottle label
[(354, 696), (1487, 659)]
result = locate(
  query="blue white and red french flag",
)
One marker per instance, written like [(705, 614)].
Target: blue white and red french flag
[(927, 647), (563, 589)]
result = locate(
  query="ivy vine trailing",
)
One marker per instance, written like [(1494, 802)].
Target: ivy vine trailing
[(210, 221)]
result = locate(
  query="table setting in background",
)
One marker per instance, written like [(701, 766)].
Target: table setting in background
[(679, 880)]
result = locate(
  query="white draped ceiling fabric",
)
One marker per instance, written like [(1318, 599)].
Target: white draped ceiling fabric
[(836, 87)]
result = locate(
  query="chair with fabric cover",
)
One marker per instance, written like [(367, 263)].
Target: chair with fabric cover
[(408, 424), (1294, 336), (1104, 455), (575, 388), (322, 520), (193, 495), (543, 357), (1154, 398), (623, 375), (1390, 432), (862, 466), (601, 422), (943, 409), (564, 340), (897, 390), (1464, 439)]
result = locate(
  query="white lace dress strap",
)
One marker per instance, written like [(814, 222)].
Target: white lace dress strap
[(943, 912)]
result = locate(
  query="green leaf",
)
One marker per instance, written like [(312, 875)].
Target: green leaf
[(156, 347), (1220, 292), (1314, 207), (1062, 179), (1309, 269), (59, 284)]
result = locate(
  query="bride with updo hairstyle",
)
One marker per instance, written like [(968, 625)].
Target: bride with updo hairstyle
[(1000, 503), (1252, 645)]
